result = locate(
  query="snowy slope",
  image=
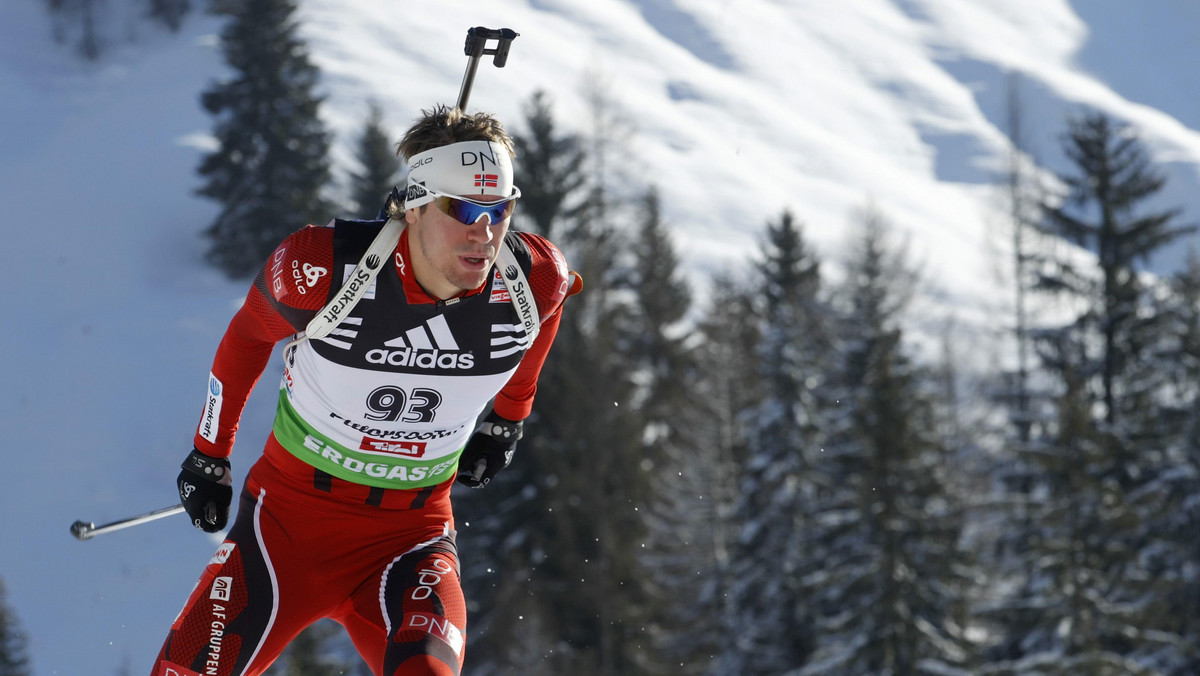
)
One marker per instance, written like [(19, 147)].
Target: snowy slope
[(740, 109)]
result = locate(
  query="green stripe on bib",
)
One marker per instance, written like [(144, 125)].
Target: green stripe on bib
[(361, 467)]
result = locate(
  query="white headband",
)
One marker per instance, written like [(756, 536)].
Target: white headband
[(465, 169)]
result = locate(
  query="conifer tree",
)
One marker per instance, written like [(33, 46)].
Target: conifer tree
[(1008, 524), (695, 492), (549, 170), (1070, 610), (1167, 506), (1024, 198), (886, 590), (678, 455), (14, 658), (700, 487), (662, 300), (1090, 592), (380, 167), (776, 485), (1104, 212), (271, 163)]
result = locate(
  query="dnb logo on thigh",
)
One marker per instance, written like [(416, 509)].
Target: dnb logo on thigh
[(435, 625), (425, 621)]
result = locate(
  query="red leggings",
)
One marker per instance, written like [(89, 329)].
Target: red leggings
[(298, 553)]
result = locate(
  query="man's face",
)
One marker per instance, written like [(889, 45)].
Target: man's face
[(450, 257)]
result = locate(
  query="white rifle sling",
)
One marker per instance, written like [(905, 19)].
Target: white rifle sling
[(356, 285), (380, 252), (519, 292)]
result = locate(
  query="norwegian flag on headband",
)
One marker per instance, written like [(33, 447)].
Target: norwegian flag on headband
[(487, 180)]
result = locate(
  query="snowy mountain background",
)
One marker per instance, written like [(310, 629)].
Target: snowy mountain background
[(739, 109)]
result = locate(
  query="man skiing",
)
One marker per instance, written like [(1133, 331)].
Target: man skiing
[(347, 514)]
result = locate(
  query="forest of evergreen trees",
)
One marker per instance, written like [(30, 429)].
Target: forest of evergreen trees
[(767, 480)]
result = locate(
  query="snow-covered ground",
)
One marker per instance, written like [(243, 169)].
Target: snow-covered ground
[(739, 110)]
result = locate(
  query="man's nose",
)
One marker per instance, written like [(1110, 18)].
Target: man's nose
[(481, 229)]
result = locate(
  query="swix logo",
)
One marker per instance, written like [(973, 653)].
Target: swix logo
[(405, 449), (222, 586), (428, 346), (487, 180)]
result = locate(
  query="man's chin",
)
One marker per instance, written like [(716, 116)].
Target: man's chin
[(472, 281)]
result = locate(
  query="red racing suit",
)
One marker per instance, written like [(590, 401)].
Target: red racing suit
[(347, 513)]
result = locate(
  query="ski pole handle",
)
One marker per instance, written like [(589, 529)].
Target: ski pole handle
[(480, 468), (86, 530)]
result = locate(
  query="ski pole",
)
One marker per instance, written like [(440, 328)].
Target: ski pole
[(86, 530), (476, 47)]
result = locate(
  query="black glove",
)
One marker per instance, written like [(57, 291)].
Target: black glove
[(206, 489), (488, 451)]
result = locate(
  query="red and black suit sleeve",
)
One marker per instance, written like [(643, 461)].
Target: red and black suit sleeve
[(289, 289), (551, 282)]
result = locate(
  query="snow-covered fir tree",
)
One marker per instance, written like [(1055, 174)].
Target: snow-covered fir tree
[(886, 588), (550, 170), (1089, 594), (776, 483), (677, 456), (379, 167), (696, 489), (272, 160)]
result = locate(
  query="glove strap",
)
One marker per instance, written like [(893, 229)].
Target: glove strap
[(213, 469), (501, 429)]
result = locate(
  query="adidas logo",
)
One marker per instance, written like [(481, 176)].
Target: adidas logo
[(428, 346), (508, 339)]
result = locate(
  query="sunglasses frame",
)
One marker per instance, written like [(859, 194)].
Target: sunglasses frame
[(481, 207)]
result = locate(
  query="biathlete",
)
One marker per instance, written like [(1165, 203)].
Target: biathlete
[(347, 513)]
